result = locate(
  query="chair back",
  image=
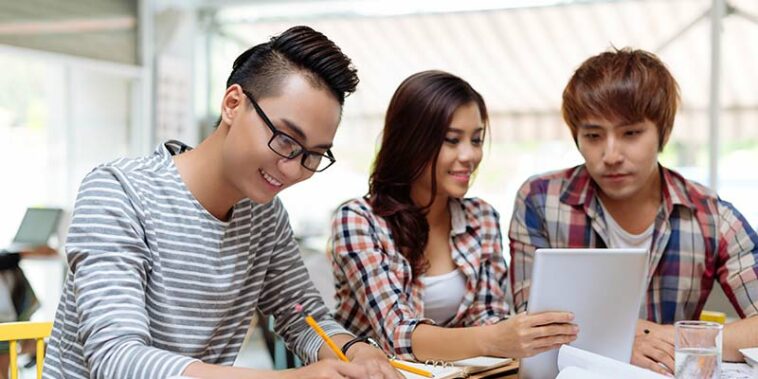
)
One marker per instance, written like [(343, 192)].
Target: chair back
[(16, 331), (713, 316)]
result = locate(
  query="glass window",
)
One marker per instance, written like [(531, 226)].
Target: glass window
[(57, 122)]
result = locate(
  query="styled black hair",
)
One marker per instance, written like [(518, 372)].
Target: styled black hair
[(262, 68)]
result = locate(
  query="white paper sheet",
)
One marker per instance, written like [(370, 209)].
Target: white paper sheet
[(751, 355), (569, 356), (578, 373)]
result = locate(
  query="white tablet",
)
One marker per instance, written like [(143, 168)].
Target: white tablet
[(602, 287)]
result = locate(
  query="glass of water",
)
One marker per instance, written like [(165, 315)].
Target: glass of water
[(697, 349)]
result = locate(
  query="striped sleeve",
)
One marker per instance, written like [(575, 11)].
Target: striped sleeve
[(109, 261), (287, 283)]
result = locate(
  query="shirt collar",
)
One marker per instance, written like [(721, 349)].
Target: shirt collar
[(582, 190), (460, 219), (173, 147), (675, 189), (580, 186)]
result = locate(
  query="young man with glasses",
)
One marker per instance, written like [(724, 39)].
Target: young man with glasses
[(171, 254), (620, 108)]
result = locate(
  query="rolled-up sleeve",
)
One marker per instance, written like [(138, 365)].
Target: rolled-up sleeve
[(381, 292), (490, 303), (738, 257), (526, 234)]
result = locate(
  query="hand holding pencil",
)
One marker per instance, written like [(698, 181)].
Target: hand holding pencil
[(376, 353)]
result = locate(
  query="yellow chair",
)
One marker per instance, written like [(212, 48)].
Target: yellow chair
[(719, 317), (15, 331)]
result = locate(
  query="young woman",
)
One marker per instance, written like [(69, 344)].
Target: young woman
[(417, 266)]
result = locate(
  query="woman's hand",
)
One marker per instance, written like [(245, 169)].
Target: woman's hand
[(525, 335)]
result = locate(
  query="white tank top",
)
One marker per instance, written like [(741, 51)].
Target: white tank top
[(443, 295)]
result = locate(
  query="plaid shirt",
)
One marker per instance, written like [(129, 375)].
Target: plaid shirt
[(697, 239), (376, 294)]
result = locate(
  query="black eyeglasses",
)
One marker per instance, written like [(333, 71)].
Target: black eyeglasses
[(287, 147)]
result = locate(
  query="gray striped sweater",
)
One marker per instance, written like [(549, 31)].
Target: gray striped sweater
[(156, 282)]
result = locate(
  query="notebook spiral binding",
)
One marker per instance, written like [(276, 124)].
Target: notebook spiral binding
[(434, 364)]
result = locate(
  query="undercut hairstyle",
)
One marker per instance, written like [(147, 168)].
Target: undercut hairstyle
[(415, 126), (300, 49), (626, 86)]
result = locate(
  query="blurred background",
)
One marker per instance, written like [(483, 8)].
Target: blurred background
[(83, 82)]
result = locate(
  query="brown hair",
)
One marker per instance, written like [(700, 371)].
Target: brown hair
[(415, 126), (625, 86)]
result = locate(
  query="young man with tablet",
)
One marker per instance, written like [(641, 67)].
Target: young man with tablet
[(620, 108)]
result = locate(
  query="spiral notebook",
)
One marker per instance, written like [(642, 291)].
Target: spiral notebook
[(458, 369)]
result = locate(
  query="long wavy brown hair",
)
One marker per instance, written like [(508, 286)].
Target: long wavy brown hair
[(415, 126)]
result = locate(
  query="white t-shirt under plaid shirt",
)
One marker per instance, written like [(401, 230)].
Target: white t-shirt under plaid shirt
[(156, 282)]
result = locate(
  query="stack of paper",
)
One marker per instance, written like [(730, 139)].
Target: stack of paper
[(575, 363)]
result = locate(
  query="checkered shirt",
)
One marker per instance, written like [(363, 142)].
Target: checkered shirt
[(376, 294), (697, 239)]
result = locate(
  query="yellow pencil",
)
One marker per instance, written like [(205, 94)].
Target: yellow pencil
[(315, 326), (412, 369)]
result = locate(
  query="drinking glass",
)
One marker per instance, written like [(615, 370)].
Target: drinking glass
[(697, 349)]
